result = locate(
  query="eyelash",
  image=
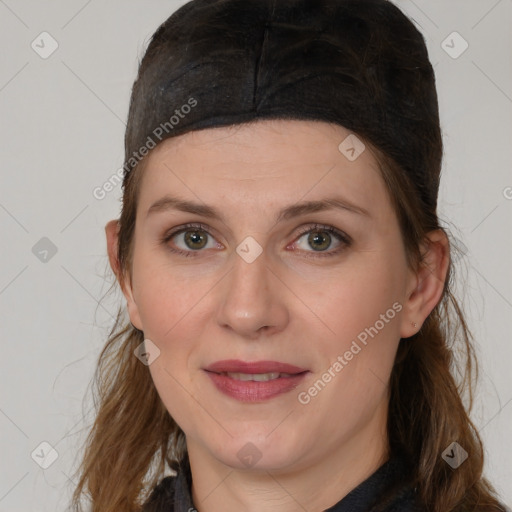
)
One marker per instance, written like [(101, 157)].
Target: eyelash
[(345, 240)]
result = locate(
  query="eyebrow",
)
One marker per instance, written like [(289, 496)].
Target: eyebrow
[(295, 210)]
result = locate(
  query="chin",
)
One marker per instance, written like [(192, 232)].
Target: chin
[(257, 452)]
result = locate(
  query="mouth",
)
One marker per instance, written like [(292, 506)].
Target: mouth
[(254, 381), (257, 377), (254, 368)]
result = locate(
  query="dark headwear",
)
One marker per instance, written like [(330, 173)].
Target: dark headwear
[(359, 63)]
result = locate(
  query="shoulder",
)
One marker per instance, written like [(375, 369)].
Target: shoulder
[(408, 500), (161, 498)]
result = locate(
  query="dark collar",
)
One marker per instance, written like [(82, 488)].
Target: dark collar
[(388, 485)]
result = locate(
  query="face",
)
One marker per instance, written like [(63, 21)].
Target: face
[(264, 244)]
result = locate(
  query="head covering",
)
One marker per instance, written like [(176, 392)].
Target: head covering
[(359, 63)]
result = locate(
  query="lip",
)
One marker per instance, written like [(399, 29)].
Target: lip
[(237, 366), (254, 391)]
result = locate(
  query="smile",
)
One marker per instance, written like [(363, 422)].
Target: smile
[(258, 377)]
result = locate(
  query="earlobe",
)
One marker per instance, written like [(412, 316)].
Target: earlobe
[(427, 284), (112, 233)]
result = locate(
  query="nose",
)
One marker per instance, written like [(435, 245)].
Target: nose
[(253, 299)]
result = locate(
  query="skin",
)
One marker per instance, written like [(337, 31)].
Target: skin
[(284, 306)]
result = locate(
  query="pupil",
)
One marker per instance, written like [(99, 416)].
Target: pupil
[(314, 238), (194, 237)]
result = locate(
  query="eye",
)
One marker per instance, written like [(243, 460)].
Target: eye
[(320, 238), (190, 239)]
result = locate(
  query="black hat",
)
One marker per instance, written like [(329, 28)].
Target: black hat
[(358, 63)]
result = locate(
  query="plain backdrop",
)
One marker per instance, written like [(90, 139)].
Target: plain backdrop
[(62, 126)]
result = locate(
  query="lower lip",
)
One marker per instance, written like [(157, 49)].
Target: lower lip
[(253, 391)]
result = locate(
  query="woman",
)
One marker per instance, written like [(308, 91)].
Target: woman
[(286, 276)]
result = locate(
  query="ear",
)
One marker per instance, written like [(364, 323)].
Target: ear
[(123, 278), (425, 286)]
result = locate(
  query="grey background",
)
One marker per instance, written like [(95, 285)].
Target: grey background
[(62, 136)]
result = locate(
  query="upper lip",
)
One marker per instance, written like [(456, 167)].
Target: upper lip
[(237, 366)]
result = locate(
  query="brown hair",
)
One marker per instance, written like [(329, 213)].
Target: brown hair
[(133, 440), (133, 437)]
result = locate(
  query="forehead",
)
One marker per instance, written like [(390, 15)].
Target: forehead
[(263, 162)]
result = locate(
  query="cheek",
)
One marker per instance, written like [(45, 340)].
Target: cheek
[(357, 354), (361, 314), (173, 313), (166, 295), (353, 300)]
